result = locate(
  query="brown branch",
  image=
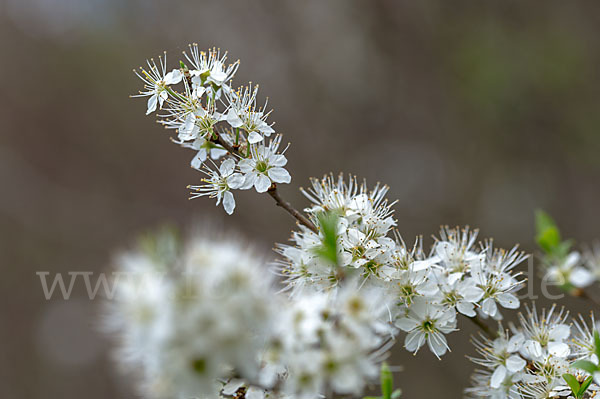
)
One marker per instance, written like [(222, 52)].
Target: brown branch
[(272, 190), (286, 205)]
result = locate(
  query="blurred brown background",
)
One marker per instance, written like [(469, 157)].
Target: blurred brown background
[(474, 112)]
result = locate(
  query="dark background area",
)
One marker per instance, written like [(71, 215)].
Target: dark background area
[(474, 112)]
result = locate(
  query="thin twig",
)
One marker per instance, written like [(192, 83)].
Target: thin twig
[(286, 205), (272, 190)]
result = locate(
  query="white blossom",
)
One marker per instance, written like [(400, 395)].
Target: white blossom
[(243, 113), (529, 361), (427, 322), (219, 184), (208, 69), (570, 270), (156, 81), (264, 167)]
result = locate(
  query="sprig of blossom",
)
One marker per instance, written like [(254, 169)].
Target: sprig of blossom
[(428, 290), (529, 360), (229, 130)]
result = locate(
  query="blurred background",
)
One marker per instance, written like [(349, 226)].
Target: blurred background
[(474, 112)]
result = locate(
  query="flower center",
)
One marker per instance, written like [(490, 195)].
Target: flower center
[(428, 326), (262, 166)]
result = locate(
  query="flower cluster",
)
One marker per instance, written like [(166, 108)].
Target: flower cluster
[(202, 319), (330, 342), (188, 316), (575, 269), (428, 290), (225, 127), (563, 266), (530, 360)]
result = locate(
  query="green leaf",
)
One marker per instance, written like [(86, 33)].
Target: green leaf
[(547, 233), (597, 343), (182, 64), (573, 383), (328, 222), (586, 366), (387, 381), (585, 384)]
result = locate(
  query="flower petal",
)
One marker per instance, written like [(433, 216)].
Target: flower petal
[(262, 183), (228, 202), (254, 138)]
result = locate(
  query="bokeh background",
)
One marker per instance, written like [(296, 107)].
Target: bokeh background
[(474, 112)]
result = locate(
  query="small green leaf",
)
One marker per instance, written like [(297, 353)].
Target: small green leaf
[(573, 383), (585, 384), (597, 343), (387, 381), (182, 64), (328, 222), (586, 366), (547, 233)]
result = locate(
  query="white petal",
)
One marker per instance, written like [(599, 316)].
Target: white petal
[(216, 153), (454, 277), (489, 307), (233, 119), (560, 332), (197, 160), (466, 308), (152, 103), (572, 260), (236, 180), (515, 343), (173, 77), (437, 344), (414, 341), (279, 175), (515, 363), (581, 277), (509, 301), (227, 167), (246, 165), (232, 386), (249, 181), (262, 183), (533, 348), (473, 294), (228, 202), (498, 377), (406, 324), (277, 160), (254, 138), (254, 393), (558, 349), (266, 129)]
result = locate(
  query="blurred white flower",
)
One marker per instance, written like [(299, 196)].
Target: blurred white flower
[(570, 271), (207, 315)]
